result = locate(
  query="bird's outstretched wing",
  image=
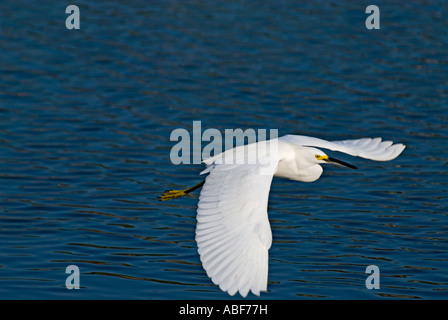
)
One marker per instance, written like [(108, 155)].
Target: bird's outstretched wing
[(369, 148), (233, 232)]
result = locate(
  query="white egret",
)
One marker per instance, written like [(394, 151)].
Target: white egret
[(233, 232)]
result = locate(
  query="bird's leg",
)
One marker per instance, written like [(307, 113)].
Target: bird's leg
[(172, 194)]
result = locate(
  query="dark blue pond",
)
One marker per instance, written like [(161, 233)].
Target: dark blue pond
[(85, 123)]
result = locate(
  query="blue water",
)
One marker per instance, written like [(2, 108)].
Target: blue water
[(85, 123)]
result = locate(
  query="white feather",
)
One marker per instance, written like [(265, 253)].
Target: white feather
[(367, 148)]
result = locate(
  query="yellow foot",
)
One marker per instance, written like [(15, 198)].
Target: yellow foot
[(172, 194)]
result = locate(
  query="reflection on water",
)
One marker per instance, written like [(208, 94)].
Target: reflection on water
[(86, 118)]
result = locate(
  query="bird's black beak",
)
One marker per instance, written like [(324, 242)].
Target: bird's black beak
[(345, 164)]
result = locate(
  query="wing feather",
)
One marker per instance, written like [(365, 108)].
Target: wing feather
[(368, 148), (233, 232)]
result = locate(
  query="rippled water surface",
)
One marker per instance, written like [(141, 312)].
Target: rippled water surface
[(85, 123)]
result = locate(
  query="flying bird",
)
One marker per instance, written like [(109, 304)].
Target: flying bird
[(233, 231)]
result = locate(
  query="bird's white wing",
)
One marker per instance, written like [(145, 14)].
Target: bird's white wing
[(369, 148), (233, 232)]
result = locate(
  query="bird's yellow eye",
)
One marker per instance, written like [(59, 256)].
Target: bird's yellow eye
[(319, 157)]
